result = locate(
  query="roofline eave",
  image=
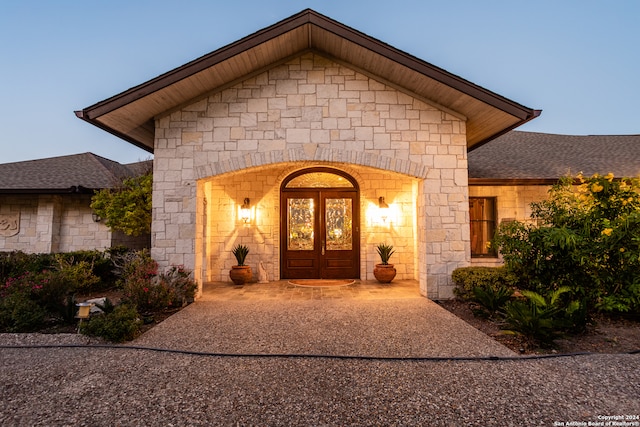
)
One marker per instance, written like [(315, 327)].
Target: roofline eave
[(534, 114), (92, 113)]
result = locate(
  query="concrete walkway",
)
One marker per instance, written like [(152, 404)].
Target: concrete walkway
[(364, 319), (243, 386)]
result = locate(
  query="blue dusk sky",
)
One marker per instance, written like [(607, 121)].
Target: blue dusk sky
[(577, 60)]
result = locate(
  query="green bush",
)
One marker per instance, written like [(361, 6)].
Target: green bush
[(39, 287), (17, 263), (179, 284), (149, 291), (587, 240), (140, 286), (122, 324), (100, 263), (466, 279), (542, 318), (20, 313), (491, 300)]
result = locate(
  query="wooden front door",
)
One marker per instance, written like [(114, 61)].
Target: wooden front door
[(320, 236)]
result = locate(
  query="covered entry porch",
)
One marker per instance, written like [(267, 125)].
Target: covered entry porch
[(250, 207)]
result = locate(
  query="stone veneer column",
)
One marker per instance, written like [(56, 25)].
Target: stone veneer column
[(174, 195), (48, 224), (443, 220)]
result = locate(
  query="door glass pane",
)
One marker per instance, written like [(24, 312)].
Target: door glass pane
[(319, 180), (338, 220), (300, 225)]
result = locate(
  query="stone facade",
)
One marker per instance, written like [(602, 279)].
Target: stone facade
[(58, 223), (242, 141), (53, 223), (512, 203)]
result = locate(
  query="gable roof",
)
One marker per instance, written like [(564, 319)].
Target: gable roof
[(531, 156), (130, 114), (66, 174)]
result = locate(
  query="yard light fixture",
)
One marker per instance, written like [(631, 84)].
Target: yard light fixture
[(245, 210), (96, 217), (84, 311)]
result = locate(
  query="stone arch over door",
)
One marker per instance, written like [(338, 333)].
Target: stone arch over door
[(315, 154)]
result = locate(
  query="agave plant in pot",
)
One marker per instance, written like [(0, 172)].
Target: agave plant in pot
[(384, 272), (241, 273)]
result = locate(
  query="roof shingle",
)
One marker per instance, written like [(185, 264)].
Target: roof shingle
[(532, 155), (77, 172)]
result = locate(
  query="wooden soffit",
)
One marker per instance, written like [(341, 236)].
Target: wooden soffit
[(130, 114)]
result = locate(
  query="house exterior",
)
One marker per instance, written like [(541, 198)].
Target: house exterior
[(45, 204), (518, 168), (311, 143)]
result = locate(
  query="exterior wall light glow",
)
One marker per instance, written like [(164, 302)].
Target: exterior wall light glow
[(383, 209), (245, 211)]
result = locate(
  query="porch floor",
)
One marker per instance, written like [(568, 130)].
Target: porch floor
[(283, 290)]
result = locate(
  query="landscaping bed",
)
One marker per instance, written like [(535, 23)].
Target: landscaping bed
[(603, 335)]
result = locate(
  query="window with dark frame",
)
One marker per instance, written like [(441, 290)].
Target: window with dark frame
[(482, 216)]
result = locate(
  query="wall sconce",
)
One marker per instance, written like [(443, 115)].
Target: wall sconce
[(383, 209), (245, 210), (96, 217)]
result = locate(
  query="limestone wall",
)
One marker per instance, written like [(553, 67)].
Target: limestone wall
[(52, 223), (512, 203), (312, 111), (222, 229)]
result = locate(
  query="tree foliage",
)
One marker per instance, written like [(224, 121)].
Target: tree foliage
[(128, 207), (587, 238)]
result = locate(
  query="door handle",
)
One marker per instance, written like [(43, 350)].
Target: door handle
[(323, 243)]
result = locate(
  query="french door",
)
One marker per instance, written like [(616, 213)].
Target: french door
[(320, 234)]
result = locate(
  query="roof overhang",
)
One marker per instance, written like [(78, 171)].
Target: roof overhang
[(130, 115)]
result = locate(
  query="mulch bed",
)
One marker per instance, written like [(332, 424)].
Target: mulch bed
[(604, 335)]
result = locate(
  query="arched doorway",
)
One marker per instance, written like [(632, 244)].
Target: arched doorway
[(320, 225)]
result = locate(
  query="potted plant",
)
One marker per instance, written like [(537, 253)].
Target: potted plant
[(241, 273), (384, 272)]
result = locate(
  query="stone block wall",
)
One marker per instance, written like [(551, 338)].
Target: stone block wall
[(313, 111), (53, 223), (222, 229), (512, 203)]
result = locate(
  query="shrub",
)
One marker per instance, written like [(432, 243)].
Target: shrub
[(20, 313), (149, 291), (78, 274), (140, 287), (17, 263), (587, 240), (101, 265), (541, 318), (128, 207), (180, 286), (491, 300), (122, 324), (468, 278)]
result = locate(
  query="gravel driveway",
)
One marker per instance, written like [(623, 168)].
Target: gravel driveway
[(264, 361)]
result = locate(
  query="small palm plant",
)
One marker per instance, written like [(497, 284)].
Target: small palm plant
[(385, 251), (240, 252), (491, 299), (542, 318)]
